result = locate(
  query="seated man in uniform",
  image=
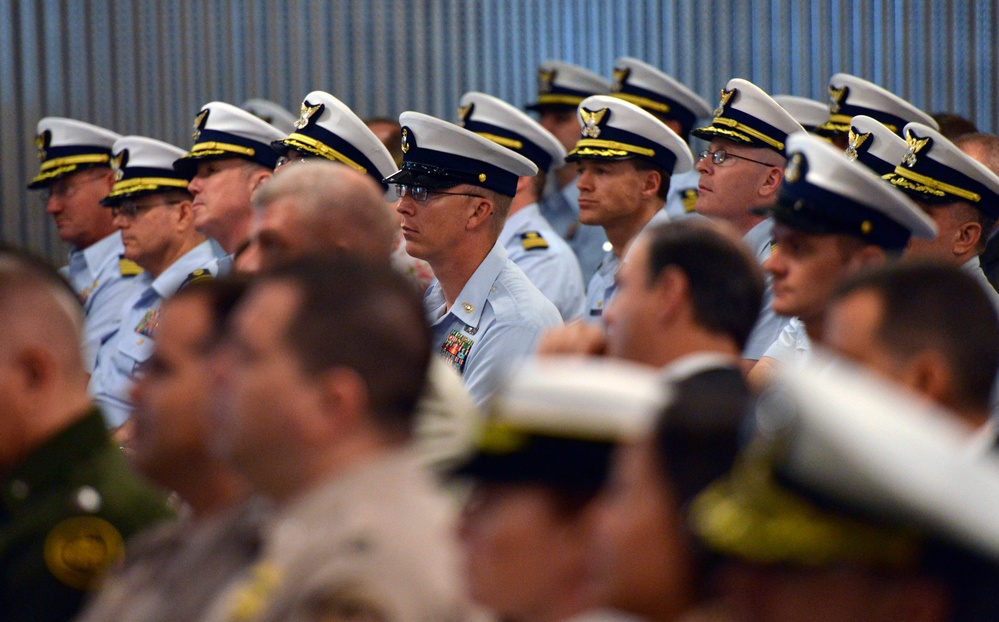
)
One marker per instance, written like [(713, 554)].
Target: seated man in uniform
[(741, 171), (68, 498), (927, 326), (851, 500), (674, 104), (75, 175), (455, 188), (625, 158), (328, 357), (833, 218), (153, 210), (959, 193), (230, 158), (533, 245), (538, 467), (175, 571)]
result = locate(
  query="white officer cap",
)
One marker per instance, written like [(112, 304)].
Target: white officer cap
[(850, 96), (437, 154), (807, 112), (67, 145), (614, 129), (746, 114), (823, 192), (143, 166), (564, 85), (649, 88), (556, 421), (934, 170), (222, 130), (876, 146), (493, 118), (271, 112), (888, 466), (327, 128)]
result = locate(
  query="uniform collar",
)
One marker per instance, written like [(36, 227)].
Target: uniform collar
[(760, 236), (167, 283), (468, 305), (52, 462), (100, 251), (517, 220)]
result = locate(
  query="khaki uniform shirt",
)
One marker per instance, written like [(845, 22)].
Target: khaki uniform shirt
[(375, 544), (175, 571)]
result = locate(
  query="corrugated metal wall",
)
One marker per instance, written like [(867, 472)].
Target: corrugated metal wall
[(146, 66)]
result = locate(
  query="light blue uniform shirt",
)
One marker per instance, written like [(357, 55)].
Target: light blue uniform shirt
[(546, 259), (496, 320), (682, 196), (603, 284), (133, 343), (561, 209), (96, 274), (792, 345), (974, 267), (768, 325)]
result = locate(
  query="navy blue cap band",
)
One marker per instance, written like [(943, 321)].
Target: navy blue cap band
[(812, 209)]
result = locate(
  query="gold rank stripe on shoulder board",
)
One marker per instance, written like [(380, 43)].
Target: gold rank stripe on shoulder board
[(689, 200), (198, 276), (127, 267), (532, 240)]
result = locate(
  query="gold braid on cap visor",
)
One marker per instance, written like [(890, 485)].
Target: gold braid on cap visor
[(747, 515)]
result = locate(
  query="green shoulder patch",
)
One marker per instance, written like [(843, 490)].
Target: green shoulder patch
[(532, 240), (127, 267), (198, 276)]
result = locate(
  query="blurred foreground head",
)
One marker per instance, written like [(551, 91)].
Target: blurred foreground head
[(853, 501)]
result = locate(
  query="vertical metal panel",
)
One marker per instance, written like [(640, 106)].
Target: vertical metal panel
[(143, 66)]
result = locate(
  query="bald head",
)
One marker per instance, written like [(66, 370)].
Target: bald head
[(43, 383), (317, 206)]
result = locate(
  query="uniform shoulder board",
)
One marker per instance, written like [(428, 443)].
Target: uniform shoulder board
[(198, 276), (127, 267), (689, 200), (533, 240)]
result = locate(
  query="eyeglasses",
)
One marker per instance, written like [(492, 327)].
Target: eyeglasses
[(721, 155), (130, 209), (283, 160), (67, 187), (421, 194)]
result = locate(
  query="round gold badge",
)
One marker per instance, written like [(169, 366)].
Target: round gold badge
[(79, 550)]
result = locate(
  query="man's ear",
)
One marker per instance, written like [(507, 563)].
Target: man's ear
[(481, 210), (772, 181), (258, 177), (651, 182), (343, 401), (967, 237)]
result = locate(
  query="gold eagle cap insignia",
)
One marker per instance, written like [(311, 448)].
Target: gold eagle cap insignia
[(405, 140), (592, 120), (792, 172), (199, 123), (305, 114), (620, 77), (856, 140), (726, 95), (464, 112), (545, 79), (914, 145), (836, 98), (42, 143), (118, 162)]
